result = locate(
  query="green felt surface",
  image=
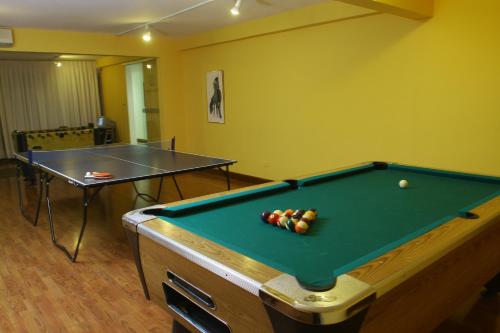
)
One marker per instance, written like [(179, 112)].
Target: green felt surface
[(361, 216)]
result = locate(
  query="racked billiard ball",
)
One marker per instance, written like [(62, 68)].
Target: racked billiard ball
[(273, 218), (282, 222), (298, 213), (288, 212), (306, 220), (265, 216), (290, 225), (308, 216), (301, 227)]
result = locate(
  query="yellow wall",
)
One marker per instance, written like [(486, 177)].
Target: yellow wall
[(327, 85), (114, 99), (379, 87), (326, 12)]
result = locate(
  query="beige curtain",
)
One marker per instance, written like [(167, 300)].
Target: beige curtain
[(40, 95)]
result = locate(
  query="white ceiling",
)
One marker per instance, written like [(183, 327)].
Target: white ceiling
[(115, 16)]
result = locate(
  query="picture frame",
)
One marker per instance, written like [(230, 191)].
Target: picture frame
[(215, 97)]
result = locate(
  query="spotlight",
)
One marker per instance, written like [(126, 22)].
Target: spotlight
[(149, 66), (147, 34), (235, 11), (58, 64)]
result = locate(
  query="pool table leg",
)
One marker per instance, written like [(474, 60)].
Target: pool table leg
[(284, 324), (493, 286), (178, 328), (133, 240)]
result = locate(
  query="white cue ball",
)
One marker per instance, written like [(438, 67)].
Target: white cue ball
[(403, 183)]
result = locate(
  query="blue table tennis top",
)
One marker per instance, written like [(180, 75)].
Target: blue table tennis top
[(125, 162)]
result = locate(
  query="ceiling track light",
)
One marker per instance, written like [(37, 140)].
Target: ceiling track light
[(147, 34), (235, 11)]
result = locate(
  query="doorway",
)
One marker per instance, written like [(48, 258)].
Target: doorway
[(142, 98)]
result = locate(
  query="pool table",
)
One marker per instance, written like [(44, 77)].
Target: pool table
[(379, 258)]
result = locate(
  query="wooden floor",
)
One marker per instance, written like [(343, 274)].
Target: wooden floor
[(41, 291)]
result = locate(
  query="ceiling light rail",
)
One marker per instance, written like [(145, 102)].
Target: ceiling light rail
[(148, 24)]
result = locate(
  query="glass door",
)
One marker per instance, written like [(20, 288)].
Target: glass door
[(151, 106), (142, 97)]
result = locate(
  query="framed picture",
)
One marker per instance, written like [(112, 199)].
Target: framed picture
[(215, 97)]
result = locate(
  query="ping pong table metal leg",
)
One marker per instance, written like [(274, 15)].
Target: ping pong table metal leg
[(159, 190), (39, 202), (34, 220), (228, 176), (146, 196), (46, 181), (86, 201), (150, 198), (177, 187)]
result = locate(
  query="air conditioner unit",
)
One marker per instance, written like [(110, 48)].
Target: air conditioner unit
[(6, 37)]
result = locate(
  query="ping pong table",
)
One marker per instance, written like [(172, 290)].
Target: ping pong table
[(126, 163)]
